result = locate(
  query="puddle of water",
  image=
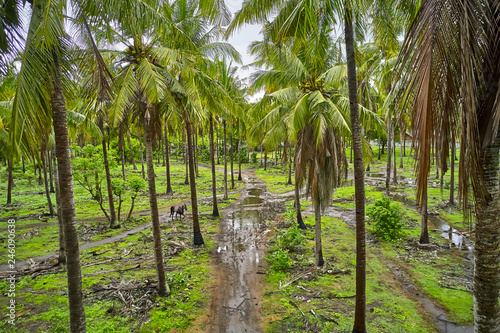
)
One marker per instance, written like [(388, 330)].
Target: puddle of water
[(240, 252)]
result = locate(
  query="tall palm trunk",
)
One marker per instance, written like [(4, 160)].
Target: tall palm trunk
[(139, 136), (389, 155), (317, 231), (225, 162), (162, 140), (231, 153), (359, 181), (217, 143), (239, 159), (401, 149), (298, 209), (394, 169), (215, 212), (290, 165), (51, 179), (195, 152), (487, 256), (68, 215), (131, 151), (424, 232), (62, 252), (186, 162), (197, 237), (167, 162), (111, 200), (46, 181), (265, 160), (10, 181), (452, 170), (163, 289)]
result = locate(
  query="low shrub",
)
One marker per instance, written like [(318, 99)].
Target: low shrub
[(387, 219), (279, 260)]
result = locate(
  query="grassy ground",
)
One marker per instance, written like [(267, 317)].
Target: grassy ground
[(119, 279)]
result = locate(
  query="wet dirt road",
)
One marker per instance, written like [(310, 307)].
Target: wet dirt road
[(235, 307)]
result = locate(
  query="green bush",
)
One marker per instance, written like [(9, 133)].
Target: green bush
[(204, 155), (279, 260), (387, 219), (290, 239), (253, 157)]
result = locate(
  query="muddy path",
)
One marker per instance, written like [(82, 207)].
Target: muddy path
[(239, 259)]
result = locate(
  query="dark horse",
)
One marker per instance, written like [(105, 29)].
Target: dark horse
[(178, 210)]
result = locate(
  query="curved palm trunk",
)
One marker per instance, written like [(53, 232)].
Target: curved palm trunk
[(163, 289), (46, 182), (68, 215), (317, 229), (167, 163), (215, 212), (359, 181), (108, 177), (197, 237), (487, 255), (10, 182), (225, 162), (62, 252)]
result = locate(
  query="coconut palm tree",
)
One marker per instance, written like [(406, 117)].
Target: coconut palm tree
[(448, 70)]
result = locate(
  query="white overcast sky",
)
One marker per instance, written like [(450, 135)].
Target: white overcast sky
[(242, 38)]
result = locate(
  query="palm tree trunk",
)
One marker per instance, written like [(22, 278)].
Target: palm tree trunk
[(46, 181), (487, 256), (231, 154), (298, 208), (424, 232), (186, 162), (389, 155), (290, 164), (225, 161), (51, 179), (401, 148), (265, 160), (131, 151), (62, 252), (24, 167), (139, 136), (68, 215), (163, 289), (394, 169), (197, 237), (215, 212), (167, 162), (452, 170), (217, 143), (359, 181), (239, 159), (108, 177), (317, 228), (379, 149), (10, 182)]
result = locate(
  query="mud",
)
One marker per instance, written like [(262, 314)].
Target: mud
[(234, 306)]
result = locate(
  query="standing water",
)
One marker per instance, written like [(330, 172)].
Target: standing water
[(235, 306)]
